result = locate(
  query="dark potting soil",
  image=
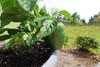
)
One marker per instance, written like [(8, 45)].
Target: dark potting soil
[(37, 57)]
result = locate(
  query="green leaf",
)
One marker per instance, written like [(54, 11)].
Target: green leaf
[(27, 4), (17, 10), (3, 30), (4, 22), (23, 23), (35, 24), (30, 41), (13, 40), (39, 19), (36, 10), (43, 11), (24, 29), (4, 37), (66, 14), (10, 43), (23, 26), (10, 31), (13, 31), (47, 29)]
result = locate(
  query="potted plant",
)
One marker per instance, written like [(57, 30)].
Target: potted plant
[(36, 36)]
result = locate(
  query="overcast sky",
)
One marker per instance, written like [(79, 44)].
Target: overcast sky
[(85, 8)]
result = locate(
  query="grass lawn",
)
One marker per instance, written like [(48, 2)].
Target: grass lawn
[(74, 31)]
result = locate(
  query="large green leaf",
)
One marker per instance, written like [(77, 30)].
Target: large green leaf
[(27, 5), (16, 15), (66, 14), (17, 10)]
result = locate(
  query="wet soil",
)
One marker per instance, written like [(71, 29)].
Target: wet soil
[(37, 57)]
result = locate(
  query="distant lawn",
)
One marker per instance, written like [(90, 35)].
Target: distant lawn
[(74, 31)]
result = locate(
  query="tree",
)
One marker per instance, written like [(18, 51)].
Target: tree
[(84, 21), (92, 21), (76, 18)]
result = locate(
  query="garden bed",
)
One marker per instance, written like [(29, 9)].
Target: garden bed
[(39, 55)]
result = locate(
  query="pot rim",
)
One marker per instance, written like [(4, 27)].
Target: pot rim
[(52, 61)]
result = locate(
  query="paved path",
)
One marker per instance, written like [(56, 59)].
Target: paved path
[(97, 65), (70, 60)]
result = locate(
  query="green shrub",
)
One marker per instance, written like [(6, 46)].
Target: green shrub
[(86, 43)]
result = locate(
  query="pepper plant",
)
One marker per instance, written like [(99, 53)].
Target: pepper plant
[(34, 24)]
